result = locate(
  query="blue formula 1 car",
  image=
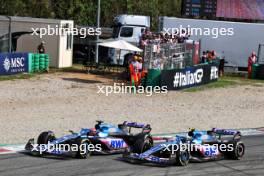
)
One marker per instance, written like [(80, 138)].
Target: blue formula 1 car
[(104, 138), (197, 146)]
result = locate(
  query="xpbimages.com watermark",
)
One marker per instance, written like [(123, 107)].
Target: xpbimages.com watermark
[(195, 31), (64, 148), (206, 148), (82, 32), (121, 88)]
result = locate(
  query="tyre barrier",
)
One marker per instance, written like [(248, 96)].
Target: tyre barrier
[(38, 62), (23, 62), (257, 71)]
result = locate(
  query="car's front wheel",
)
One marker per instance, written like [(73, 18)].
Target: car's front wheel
[(83, 148), (45, 137), (182, 157)]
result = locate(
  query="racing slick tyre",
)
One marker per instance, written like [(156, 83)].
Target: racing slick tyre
[(45, 137), (83, 148), (142, 144), (182, 157), (238, 151)]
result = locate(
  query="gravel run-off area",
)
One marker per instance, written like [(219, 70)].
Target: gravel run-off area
[(63, 101)]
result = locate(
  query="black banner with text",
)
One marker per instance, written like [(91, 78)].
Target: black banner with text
[(189, 77)]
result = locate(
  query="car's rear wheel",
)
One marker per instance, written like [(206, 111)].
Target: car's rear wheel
[(45, 137), (238, 151), (142, 144)]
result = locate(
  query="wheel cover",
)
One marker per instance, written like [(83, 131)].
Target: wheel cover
[(185, 156), (85, 147), (240, 150)]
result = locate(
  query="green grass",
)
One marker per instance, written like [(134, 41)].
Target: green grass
[(228, 81), (18, 76)]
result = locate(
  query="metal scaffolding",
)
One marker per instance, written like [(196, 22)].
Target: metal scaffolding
[(167, 56)]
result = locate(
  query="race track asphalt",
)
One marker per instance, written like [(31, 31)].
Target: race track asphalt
[(24, 165)]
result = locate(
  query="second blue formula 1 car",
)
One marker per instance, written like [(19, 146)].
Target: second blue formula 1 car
[(104, 138), (197, 146)]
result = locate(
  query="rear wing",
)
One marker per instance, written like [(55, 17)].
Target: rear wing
[(145, 127), (136, 125), (235, 133)]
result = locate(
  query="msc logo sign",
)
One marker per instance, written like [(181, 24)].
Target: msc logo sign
[(6, 64), (117, 144), (13, 63)]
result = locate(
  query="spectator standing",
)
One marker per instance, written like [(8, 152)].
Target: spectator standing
[(222, 65), (251, 60), (143, 42), (213, 55), (208, 56), (133, 71), (147, 32), (203, 59), (41, 48)]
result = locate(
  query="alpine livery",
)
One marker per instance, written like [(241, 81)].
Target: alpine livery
[(104, 138), (197, 146)]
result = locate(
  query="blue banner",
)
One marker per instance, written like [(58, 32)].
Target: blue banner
[(13, 63)]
